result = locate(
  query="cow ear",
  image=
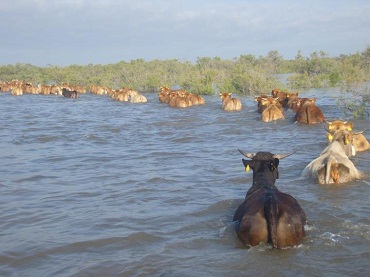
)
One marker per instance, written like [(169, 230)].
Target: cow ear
[(247, 165), (349, 126), (329, 136), (274, 164)]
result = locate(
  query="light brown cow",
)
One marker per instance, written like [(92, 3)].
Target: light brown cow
[(26, 87), (120, 95), (164, 96), (272, 110), (17, 90), (358, 139), (45, 89), (56, 89), (99, 90), (195, 99), (4, 87), (135, 97), (36, 90), (230, 104), (178, 100), (258, 99), (337, 125)]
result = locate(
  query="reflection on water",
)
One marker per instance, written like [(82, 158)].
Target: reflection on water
[(91, 186)]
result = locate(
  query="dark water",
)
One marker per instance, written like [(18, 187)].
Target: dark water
[(94, 187)]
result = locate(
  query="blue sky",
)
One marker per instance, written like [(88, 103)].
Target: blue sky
[(64, 32)]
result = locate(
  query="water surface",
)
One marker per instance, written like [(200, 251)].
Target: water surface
[(95, 187)]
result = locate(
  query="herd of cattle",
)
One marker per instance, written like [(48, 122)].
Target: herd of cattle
[(270, 216), (266, 215), (332, 166)]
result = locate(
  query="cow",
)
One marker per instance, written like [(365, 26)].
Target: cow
[(281, 95), (272, 111), (358, 139), (163, 95), (79, 88), (345, 138), (36, 89), (258, 99), (26, 87), (45, 89), (266, 214), (69, 93), (339, 125), (135, 97), (56, 89), (264, 101), (308, 112), (195, 99), (333, 166), (292, 98), (178, 100), (17, 90), (4, 87), (120, 95), (230, 104), (99, 90), (296, 102)]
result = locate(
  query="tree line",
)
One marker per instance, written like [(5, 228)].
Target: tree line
[(246, 74)]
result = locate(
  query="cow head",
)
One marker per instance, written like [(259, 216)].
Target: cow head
[(337, 125), (344, 138), (264, 164), (225, 95)]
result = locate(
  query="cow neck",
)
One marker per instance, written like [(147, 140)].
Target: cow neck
[(263, 178)]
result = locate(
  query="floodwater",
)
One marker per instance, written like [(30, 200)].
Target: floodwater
[(95, 187)]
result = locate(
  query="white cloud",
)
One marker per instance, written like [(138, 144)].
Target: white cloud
[(181, 29)]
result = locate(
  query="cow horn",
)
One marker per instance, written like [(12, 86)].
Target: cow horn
[(248, 155), (329, 131), (358, 133), (283, 156)]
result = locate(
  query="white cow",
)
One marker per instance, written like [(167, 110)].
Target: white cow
[(333, 165)]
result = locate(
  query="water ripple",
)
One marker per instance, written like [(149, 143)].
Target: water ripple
[(94, 187)]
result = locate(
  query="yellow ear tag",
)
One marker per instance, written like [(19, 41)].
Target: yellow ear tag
[(347, 141), (247, 168), (330, 137), (349, 129)]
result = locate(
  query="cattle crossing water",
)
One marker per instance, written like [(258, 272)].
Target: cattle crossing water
[(96, 187)]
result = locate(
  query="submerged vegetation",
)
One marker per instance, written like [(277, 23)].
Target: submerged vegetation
[(246, 74)]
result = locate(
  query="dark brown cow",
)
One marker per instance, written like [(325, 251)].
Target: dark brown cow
[(69, 93), (292, 97), (296, 102), (268, 215), (281, 95)]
